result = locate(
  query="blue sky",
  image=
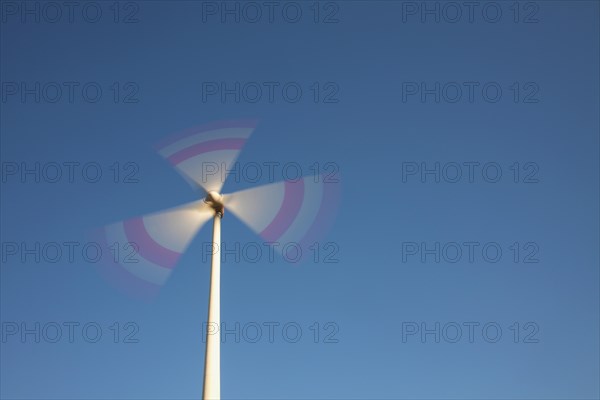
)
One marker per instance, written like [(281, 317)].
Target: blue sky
[(366, 121)]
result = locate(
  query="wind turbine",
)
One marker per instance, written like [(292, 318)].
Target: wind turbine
[(287, 211)]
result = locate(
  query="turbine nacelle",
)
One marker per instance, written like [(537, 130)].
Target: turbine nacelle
[(215, 201)]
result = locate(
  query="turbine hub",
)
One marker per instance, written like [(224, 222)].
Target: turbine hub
[(215, 200)]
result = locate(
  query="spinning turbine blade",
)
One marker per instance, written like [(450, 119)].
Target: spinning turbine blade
[(140, 253), (288, 211), (204, 154), (283, 213)]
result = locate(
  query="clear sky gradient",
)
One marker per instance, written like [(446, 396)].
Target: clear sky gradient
[(387, 92)]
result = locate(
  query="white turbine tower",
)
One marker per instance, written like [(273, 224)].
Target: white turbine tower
[(287, 211)]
